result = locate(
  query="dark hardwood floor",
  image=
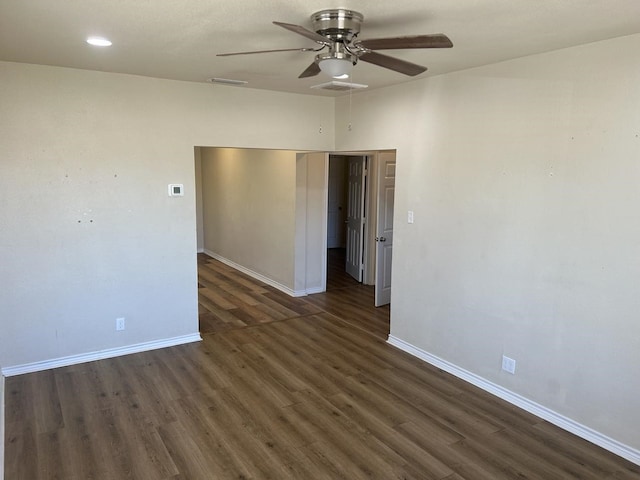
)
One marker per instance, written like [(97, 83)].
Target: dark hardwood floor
[(229, 299), (280, 388)]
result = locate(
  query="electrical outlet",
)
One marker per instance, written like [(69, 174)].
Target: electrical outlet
[(508, 365), (410, 216), (120, 323)]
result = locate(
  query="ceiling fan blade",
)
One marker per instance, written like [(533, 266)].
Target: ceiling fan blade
[(316, 37), (311, 71), (267, 51), (438, 40), (392, 63)]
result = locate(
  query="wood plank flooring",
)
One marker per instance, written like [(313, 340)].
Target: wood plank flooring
[(229, 299), (283, 389)]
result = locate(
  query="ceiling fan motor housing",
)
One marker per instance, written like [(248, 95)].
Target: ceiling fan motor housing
[(337, 24), (337, 51)]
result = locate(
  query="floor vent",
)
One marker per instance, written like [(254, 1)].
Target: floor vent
[(340, 86)]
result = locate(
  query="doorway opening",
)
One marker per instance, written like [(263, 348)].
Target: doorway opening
[(360, 197), (253, 186), (342, 208)]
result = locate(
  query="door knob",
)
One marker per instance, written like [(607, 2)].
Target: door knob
[(381, 239)]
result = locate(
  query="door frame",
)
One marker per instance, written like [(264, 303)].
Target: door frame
[(368, 277)]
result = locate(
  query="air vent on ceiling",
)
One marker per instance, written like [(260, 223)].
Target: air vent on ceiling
[(227, 81), (340, 86)]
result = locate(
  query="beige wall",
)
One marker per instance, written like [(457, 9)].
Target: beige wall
[(88, 233), (523, 177), (249, 203), (264, 211), (311, 222)]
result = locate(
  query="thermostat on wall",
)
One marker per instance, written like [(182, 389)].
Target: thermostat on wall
[(176, 190)]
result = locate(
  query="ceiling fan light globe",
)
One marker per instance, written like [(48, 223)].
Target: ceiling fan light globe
[(335, 67)]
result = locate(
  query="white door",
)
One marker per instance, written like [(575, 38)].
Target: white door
[(355, 217), (336, 203), (384, 232)]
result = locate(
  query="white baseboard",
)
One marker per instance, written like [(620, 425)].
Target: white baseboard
[(541, 411), (311, 291), (99, 355), (256, 275)]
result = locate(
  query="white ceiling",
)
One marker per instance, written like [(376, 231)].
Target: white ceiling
[(179, 39)]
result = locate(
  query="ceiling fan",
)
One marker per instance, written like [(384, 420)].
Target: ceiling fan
[(336, 32)]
